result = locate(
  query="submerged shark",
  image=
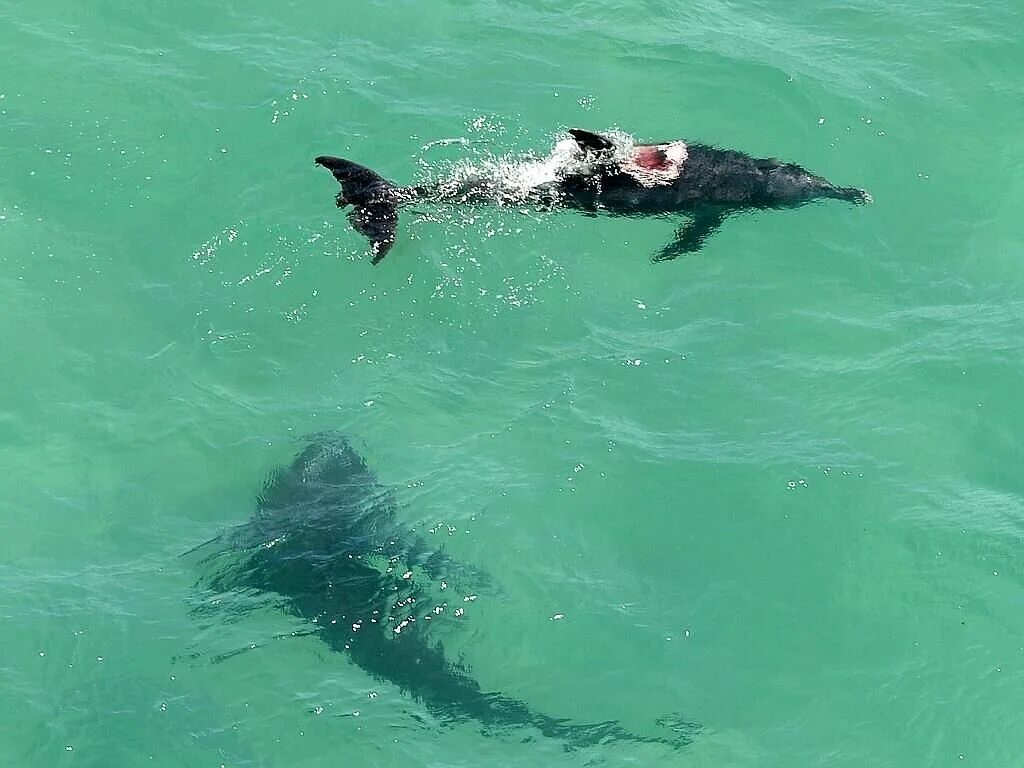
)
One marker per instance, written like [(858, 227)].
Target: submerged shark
[(326, 539), (599, 173)]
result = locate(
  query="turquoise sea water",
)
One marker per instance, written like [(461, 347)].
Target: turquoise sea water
[(774, 488)]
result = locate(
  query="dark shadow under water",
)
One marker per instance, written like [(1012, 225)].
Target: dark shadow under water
[(325, 538)]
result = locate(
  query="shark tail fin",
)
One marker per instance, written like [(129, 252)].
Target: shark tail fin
[(374, 202)]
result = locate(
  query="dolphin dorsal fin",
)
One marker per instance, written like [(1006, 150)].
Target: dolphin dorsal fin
[(587, 140)]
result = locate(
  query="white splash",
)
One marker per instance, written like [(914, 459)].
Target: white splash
[(517, 180)]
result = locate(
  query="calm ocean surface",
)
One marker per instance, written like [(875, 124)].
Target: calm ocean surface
[(774, 488)]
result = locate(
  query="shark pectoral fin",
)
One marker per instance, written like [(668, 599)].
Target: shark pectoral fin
[(691, 236)]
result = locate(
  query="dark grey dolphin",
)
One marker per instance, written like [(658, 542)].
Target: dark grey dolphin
[(606, 174), (325, 537)]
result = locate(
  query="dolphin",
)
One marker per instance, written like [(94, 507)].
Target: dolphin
[(326, 540), (600, 174)]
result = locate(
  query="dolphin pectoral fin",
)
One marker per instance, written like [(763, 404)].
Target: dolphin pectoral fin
[(691, 236)]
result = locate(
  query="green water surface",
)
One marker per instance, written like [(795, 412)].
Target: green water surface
[(774, 487)]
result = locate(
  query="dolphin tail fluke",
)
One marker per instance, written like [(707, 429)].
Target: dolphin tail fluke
[(374, 202)]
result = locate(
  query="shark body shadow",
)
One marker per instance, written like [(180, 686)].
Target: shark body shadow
[(325, 539)]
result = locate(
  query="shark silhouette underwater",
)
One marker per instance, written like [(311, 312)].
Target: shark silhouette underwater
[(326, 543), (599, 173)]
